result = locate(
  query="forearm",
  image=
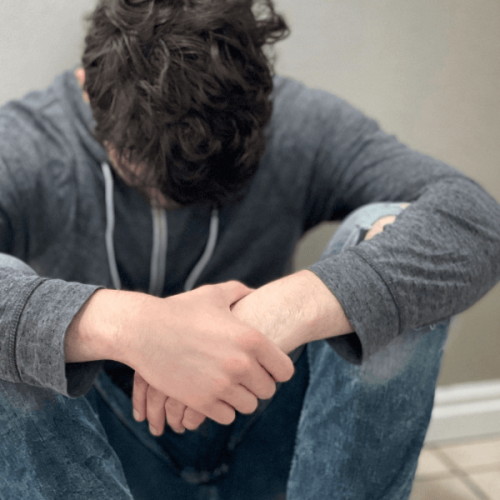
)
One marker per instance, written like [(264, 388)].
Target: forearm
[(294, 310), (98, 331)]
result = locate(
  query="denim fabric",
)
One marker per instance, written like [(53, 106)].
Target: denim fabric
[(335, 431)]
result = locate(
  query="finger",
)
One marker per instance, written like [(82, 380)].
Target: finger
[(234, 291), (241, 399), (175, 413), (192, 419), (274, 360), (139, 397), (155, 410), (220, 412), (259, 382)]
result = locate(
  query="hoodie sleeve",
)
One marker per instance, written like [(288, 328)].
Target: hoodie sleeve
[(35, 312), (34, 316), (440, 256)]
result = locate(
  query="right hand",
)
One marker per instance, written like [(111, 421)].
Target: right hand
[(191, 347)]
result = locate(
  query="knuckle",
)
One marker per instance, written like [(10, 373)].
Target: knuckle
[(250, 340), (222, 385), (153, 395), (242, 366), (236, 367)]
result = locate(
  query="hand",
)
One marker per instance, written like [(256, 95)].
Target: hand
[(156, 407), (290, 311), (197, 352)]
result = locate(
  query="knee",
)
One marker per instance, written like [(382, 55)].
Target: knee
[(415, 354), (16, 396), (379, 224), (14, 263), (363, 223)]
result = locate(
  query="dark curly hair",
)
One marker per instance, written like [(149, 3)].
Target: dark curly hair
[(182, 87)]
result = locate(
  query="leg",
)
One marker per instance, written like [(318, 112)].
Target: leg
[(362, 427), (53, 447)]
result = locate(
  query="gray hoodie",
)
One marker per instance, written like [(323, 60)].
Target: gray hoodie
[(79, 227)]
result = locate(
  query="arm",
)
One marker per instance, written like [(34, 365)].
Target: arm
[(291, 311), (189, 346), (437, 259), (294, 310)]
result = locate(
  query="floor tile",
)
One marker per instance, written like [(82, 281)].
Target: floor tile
[(489, 482), (476, 454), (442, 489), (430, 465)]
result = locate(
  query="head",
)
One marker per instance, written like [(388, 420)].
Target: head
[(180, 90)]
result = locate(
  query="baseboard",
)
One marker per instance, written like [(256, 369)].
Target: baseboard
[(465, 411)]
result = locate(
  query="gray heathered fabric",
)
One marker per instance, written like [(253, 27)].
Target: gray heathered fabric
[(323, 160)]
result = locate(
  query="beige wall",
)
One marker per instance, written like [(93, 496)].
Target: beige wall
[(428, 71)]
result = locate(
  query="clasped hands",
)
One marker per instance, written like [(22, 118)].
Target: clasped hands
[(209, 352), (283, 315), (249, 369)]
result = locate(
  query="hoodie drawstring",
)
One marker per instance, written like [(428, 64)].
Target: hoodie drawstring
[(110, 226), (160, 241)]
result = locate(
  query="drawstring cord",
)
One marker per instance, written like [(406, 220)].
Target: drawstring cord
[(160, 242), (110, 226), (207, 254)]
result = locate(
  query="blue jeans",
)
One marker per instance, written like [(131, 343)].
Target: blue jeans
[(335, 431)]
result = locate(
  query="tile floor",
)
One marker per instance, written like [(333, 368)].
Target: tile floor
[(466, 470)]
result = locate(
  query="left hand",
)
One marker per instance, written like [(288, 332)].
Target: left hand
[(156, 407)]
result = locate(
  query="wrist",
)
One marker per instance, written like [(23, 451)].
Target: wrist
[(294, 310), (98, 331), (326, 317)]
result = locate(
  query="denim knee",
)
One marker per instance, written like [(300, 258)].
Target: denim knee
[(14, 263), (355, 226)]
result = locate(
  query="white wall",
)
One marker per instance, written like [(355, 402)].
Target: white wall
[(428, 71), (38, 40)]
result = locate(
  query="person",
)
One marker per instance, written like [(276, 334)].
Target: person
[(149, 232)]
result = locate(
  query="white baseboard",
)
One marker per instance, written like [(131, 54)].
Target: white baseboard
[(465, 411)]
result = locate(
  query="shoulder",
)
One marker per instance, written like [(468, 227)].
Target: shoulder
[(33, 128), (291, 97), (44, 133)]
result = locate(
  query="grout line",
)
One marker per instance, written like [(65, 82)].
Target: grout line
[(474, 487), (423, 478), (461, 474)]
